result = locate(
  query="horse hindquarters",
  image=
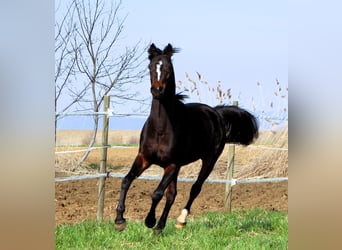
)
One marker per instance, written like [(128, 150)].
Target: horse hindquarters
[(202, 132)]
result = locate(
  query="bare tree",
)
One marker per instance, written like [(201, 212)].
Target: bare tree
[(92, 62), (64, 58)]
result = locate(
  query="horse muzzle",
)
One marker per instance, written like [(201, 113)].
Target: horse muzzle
[(157, 92)]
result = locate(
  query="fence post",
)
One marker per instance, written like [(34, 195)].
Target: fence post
[(103, 163), (230, 172)]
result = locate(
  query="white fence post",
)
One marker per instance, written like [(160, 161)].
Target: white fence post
[(230, 172)]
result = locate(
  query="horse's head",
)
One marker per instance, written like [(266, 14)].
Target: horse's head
[(161, 71)]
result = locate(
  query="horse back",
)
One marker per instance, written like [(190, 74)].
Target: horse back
[(196, 131), (201, 132)]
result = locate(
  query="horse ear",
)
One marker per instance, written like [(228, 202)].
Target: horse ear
[(153, 51), (169, 50)]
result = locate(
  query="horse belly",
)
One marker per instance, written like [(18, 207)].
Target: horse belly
[(164, 154)]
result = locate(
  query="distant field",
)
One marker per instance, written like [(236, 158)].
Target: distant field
[(81, 137), (251, 161)]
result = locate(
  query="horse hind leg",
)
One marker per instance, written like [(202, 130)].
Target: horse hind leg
[(138, 167), (207, 167)]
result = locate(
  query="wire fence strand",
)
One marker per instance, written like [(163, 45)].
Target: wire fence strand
[(181, 179)]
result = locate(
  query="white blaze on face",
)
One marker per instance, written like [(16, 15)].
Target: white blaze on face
[(159, 64)]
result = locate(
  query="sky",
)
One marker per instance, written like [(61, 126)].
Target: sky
[(241, 44)]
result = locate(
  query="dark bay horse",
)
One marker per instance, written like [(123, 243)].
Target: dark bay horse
[(176, 134)]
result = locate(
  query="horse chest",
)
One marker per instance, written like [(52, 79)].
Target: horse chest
[(159, 148), (163, 147), (159, 138)]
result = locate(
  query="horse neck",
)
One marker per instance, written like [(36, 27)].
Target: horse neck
[(163, 112)]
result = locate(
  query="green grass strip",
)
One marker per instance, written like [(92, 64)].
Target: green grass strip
[(241, 229)]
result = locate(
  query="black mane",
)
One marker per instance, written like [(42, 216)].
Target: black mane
[(181, 97)]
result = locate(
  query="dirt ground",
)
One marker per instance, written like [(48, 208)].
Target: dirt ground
[(77, 200)]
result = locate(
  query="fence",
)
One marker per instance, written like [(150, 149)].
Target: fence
[(229, 180)]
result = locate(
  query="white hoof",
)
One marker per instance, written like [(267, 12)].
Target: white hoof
[(181, 220)]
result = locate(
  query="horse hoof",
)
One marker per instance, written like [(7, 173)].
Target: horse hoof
[(150, 222), (181, 220), (157, 231), (120, 226), (180, 225)]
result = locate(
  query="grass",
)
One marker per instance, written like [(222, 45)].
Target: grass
[(241, 229)]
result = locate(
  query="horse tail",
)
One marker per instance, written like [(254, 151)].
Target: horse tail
[(240, 125)]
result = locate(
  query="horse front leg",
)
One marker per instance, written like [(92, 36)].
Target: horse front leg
[(170, 198), (170, 175), (140, 165)]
